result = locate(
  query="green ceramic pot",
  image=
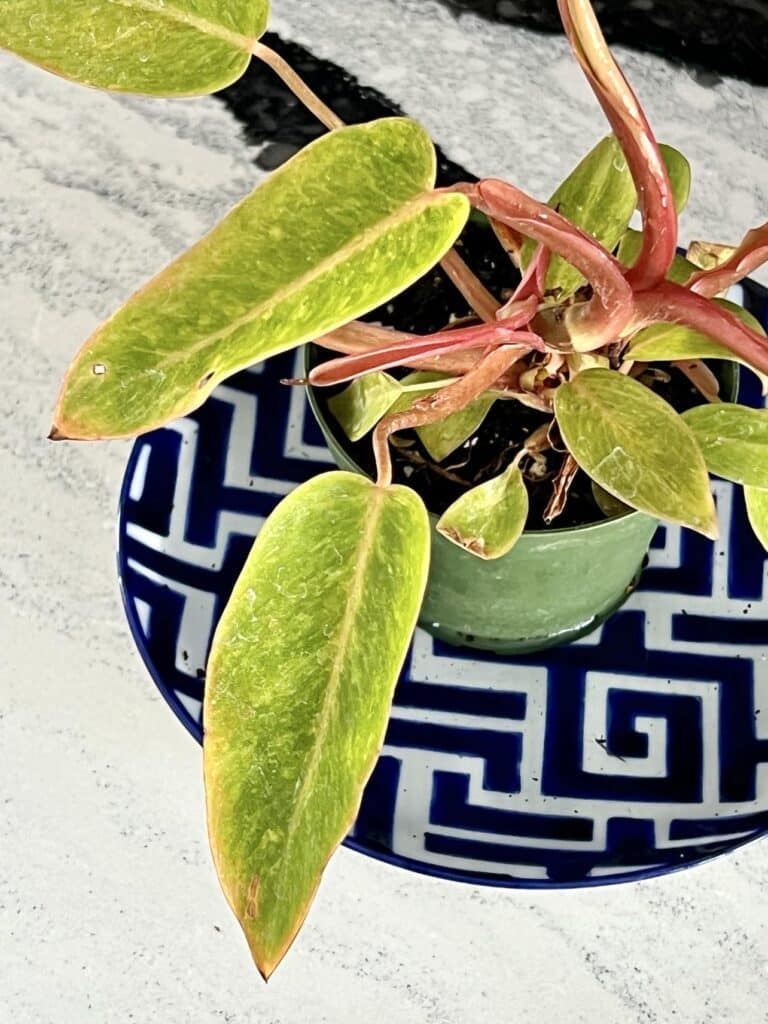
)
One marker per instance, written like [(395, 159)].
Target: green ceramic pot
[(552, 587)]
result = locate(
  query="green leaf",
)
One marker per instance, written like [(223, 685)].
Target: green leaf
[(487, 521), (679, 171), (298, 691), (155, 47), (757, 512), (734, 441), (598, 196), (608, 505), (629, 250), (636, 447), (446, 435), (673, 342), (344, 226), (359, 407)]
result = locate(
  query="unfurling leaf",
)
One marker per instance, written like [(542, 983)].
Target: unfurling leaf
[(446, 435), (629, 250), (599, 197), (734, 441), (360, 406), (674, 342), (154, 47), (298, 690), (636, 447), (487, 521), (342, 227), (757, 511)]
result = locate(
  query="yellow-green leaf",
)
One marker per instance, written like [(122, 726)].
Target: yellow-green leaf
[(298, 690), (345, 225), (629, 250), (679, 171), (488, 519), (360, 406), (599, 196), (675, 342), (155, 47), (734, 441), (757, 511), (636, 447), (446, 435)]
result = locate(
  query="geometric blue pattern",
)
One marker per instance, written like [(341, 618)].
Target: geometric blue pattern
[(639, 749)]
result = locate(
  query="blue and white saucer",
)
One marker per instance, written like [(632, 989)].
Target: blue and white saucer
[(640, 749)]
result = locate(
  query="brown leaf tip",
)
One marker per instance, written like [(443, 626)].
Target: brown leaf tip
[(56, 434)]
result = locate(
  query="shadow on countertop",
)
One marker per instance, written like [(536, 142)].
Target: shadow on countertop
[(712, 37)]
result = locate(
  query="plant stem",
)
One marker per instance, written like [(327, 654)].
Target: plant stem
[(439, 405), (470, 286), (298, 86)]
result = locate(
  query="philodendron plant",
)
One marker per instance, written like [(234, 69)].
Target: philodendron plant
[(306, 656)]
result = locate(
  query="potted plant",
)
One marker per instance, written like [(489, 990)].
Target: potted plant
[(308, 650)]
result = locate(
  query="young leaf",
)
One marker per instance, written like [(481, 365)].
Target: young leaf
[(757, 512), (298, 690), (154, 47), (359, 407), (598, 196), (734, 440), (629, 250), (487, 521), (636, 447), (446, 435), (345, 225), (675, 342)]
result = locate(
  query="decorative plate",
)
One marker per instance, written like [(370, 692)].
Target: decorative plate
[(634, 751)]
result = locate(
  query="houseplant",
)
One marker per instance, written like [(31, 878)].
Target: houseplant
[(339, 570)]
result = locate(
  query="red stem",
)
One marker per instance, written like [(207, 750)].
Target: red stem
[(588, 325), (631, 128), (433, 346), (671, 303), (751, 253)]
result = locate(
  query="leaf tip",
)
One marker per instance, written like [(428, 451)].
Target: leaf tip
[(57, 435)]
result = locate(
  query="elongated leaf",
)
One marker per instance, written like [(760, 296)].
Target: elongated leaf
[(675, 342), (599, 197), (298, 690), (446, 435), (155, 47), (359, 407), (629, 250), (342, 227), (636, 447), (734, 440), (487, 521), (679, 171), (757, 512)]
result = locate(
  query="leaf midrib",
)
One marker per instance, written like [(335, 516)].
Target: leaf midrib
[(210, 28), (355, 595), (329, 263)]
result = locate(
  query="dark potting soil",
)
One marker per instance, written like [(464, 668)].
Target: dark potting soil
[(272, 115)]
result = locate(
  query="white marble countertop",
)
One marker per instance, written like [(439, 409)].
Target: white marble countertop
[(109, 907)]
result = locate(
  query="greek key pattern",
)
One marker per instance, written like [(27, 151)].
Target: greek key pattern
[(640, 748)]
